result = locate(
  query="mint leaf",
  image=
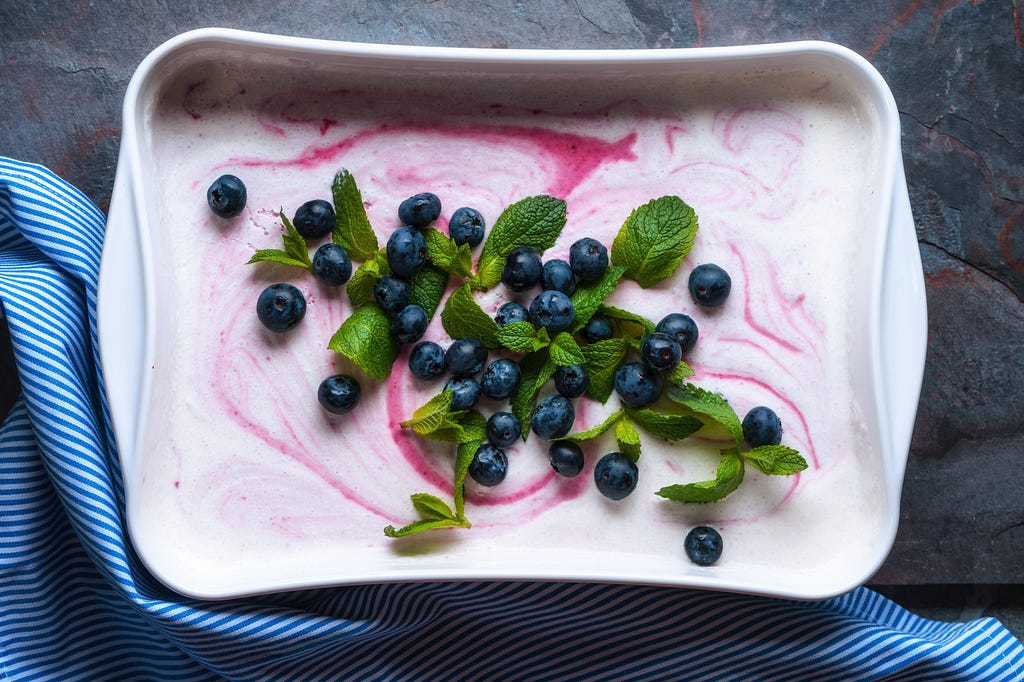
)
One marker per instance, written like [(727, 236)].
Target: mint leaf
[(601, 359), (295, 250), (523, 337), (565, 351), (463, 318), (352, 228), (537, 368), (360, 286), (775, 460), (627, 438), (654, 240), (629, 324), (534, 221), (420, 526), (365, 339), (426, 288), (728, 477), (430, 507), (677, 374), (447, 255), (595, 431), (432, 415), (587, 299), (463, 458), (708, 404), (667, 426)]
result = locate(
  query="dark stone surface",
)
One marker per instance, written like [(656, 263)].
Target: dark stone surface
[(956, 70)]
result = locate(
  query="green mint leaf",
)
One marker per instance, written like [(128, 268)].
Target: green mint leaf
[(667, 426), (654, 240), (595, 431), (463, 457), (365, 339), (708, 404), (431, 508), (420, 526), (352, 228), (534, 221), (537, 369), (601, 359), (523, 337), (678, 374), (360, 286), (295, 250), (775, 460), (463, 318), (728, 477), (447, 255), (565, 351), (275, 256), (432, 415), (426, 288), (627, 438), (629, 324), (587, 299)]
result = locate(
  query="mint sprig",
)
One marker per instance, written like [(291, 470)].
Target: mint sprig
[(360, 286), (295, 251), (627, 438), (534, 221), (728, 477), (434, 513), (588, 298), (565, 351), (708, 404), (443, 252), (670, 427), (426, 288), (365, 338), (352, 228), (537, 369), (601, 359), (523, 337), (654, 240), (595, 431), (775, 460), (463, 318)]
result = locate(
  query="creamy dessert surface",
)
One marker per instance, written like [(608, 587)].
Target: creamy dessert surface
[(241, 467)]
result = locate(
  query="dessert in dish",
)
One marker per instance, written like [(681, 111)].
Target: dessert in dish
[(242, 467)]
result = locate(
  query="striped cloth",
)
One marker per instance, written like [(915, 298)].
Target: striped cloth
[(75, 603)]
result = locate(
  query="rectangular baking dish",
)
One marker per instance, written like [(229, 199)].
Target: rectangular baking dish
[(281, 514)]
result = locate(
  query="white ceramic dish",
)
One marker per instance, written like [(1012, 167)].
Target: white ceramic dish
[(140, 323)]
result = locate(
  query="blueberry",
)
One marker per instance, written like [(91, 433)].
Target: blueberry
[(522, 269), (597, 328), (682, 328), (572, 381), (588, 259), (338, 394), (637, 384), (762, 426), (465, 392), (557, 276), (466, 226), (703, 545), (226, 196), (660, 351), (489, 465), (331, 264), (426, 361), (391, 293), (409, 323), (615, 475), (419, 210), (566, 458), (500, 379), (552, 310), (503, 428), (466, 357), (709, 285), (553, 417), (511, 312), (407, 251), (280, 307), (314, 219)]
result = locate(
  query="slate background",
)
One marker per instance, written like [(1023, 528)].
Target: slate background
[(957, 73)]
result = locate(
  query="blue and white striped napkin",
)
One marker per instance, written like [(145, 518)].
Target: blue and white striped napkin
[(75, 603)]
